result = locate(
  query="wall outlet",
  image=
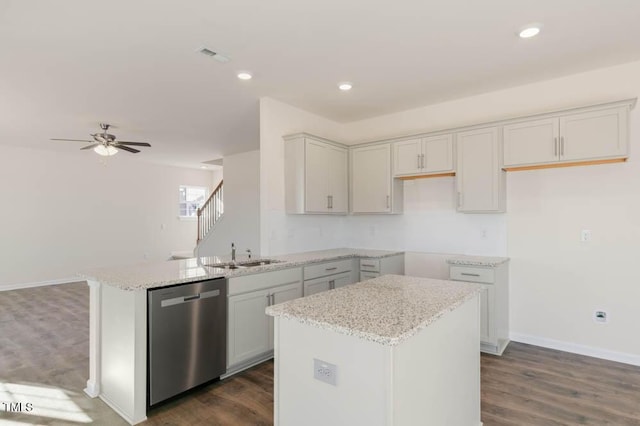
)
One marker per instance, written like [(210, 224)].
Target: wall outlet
[(324, 371), (585, 235), (600, 317)]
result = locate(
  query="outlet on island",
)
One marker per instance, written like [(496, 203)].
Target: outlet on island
[(324, 371)]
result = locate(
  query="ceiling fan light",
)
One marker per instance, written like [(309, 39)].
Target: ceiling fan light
[(105, 151)]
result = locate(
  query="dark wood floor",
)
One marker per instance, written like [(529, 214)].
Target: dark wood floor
[(44, 349)]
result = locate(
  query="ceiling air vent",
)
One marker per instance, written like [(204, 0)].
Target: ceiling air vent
[(217, 56)]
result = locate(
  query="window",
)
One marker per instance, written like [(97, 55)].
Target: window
[(191, 199)]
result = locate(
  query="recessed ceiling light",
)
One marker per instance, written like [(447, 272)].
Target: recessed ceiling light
[(244, 75), (530, 31), (345, 86), (203, 167)]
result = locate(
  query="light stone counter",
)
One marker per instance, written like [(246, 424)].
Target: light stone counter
[(159, 274), (464, 260), (386, 310)]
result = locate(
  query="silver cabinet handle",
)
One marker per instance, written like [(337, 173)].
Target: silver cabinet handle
[(388, 201), (422, 162), (469, 274), (368, 266), (418, 158), (562, 146), (555, 146), (331, 269)]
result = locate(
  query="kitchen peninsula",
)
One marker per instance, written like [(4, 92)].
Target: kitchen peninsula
[(119, 310), (392, 350)]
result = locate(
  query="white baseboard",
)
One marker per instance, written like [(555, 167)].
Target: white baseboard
[(623, 357), (40, 283), (121, 413)]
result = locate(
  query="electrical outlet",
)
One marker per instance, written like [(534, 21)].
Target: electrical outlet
[(324, 371), (585, 235)]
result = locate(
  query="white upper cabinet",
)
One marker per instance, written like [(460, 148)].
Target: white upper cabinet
[(373, 189), (531, 142), (316, 175), (423, 156), (480, 180), (595, 134)]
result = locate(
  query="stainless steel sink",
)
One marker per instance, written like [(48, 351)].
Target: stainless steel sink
[(245, 264), (259, 262)]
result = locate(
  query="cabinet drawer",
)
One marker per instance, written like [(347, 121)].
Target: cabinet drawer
[(472, 274), (368, 275), (327, 268), (370, 265), (318, 285), (254, 282)]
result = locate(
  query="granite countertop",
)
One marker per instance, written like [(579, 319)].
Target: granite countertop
[(464, 260), (159, 274), (386, 310)]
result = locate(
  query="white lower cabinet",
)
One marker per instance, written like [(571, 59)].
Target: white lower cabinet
[(331, 282), (494, 302), (250, 330), (248, 326), (374, 267), (325, 276)]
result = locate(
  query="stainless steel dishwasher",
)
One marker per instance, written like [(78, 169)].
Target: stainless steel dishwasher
[(187, 331)]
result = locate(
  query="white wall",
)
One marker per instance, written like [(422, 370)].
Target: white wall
[(282, 233), (62, 213), (240, 223), (556, 282)]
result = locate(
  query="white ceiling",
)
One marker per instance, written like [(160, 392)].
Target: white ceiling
[(67, 65)]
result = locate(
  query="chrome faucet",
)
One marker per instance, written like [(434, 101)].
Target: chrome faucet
[(249, 253), (233, 252)]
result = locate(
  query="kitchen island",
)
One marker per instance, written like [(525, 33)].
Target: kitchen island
[(118, 341), (392, 350)]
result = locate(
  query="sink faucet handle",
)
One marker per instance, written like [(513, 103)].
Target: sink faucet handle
[(249, 253)]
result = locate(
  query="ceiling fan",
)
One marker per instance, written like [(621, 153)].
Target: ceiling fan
[(105, 143)]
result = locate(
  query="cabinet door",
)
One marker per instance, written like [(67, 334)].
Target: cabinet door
[(338, 179), (316, 286), (479, 176), (437, 154), (406, 157), (594, 135), (532, 142), (316, 177), (371, 179), (342, 281), (248, 326), (282, 294)]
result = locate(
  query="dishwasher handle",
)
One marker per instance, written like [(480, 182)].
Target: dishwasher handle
[(184, 299)]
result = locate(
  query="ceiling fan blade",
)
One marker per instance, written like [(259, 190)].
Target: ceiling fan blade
[(71, 140), (90, 146), (126, 148), (132, 143)]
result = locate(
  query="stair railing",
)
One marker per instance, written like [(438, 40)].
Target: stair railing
[(210, 212)]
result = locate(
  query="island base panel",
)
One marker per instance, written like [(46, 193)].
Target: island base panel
[(430, 378)]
